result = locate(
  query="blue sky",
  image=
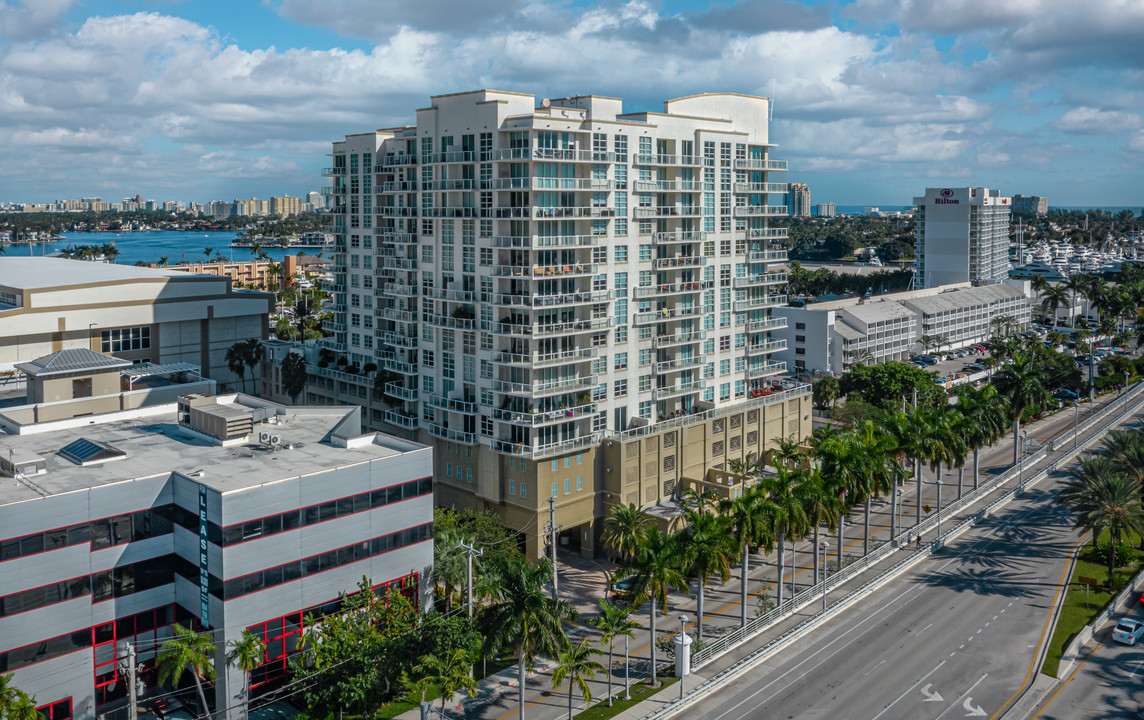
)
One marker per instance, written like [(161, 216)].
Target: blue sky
[(874, 99)]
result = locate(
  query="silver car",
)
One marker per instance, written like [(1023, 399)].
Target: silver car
[(1128, 631)]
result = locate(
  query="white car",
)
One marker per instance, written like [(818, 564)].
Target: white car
[(1128, 631)]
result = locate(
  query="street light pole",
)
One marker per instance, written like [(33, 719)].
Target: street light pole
[(627, 666), (552, 530), (939, 484), (1076, 421), (825, 570), (682, 649), (900, 493)]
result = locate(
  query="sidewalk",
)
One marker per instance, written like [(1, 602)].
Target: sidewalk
[(583, 580)]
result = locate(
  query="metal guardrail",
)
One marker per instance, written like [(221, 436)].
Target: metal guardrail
[(1109, 417), (928, 525)]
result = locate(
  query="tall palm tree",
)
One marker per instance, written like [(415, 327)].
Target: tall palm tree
[(294, 375), (448, 673), (246, 653), (236, 361), (823, 506), (613, 622), (1103, 496), (1021, 384), (785, 489), (749, 514), (654, 569), (188, 650), (524, 620), (879, 468), (576, 664), (1127, 448), (1053, 298), (624, 529), (705, 546), (253, 353), (983, 422)]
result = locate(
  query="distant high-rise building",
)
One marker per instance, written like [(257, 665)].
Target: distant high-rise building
[(316, 201), (285, 206), (798, 200), (825, 209), (962, 235), (1030, 206)]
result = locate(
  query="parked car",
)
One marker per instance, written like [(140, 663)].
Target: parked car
[(975, 368), (1065, 394), (1128, 631), (623, 588)]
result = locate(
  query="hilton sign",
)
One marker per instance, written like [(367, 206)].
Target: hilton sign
[(945, 197)]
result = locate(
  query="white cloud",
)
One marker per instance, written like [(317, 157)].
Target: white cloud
[(1094, 121), (26, 19)]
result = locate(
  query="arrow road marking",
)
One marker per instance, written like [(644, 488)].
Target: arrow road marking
[(963, 696), (931, 697), (907, 692), (974, 710)]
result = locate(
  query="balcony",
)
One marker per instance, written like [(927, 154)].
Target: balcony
[(401, 290), (682, 236), (399, 341), (759, 280), (396, 390), (591, 211), (448, 212), (333, 171), (672, 314), (450, 322), (673, 186), (565, 357), (674, 160), (341, 376), (679, 262), (532, 242), (449, 184), (400, 419), (402, 186), (438, 430), (774, 323), (402, 263), (755, 164), (765, 348), (768, 188), (564, 154), (537, 451), (397, 161), (394, 211), (564, 299), (668, 211), (759, 303), (551, 329), (535, 419), (755, 372), (767, 233), (336, 190), (450, 156), (397, 366), (760, 211), (548, 183), (397, 315), (544, 388), (537, 271), (681, 363), (399, 238), (333, 326), (757, 256), (678, 390), (683, 338), (451, 404), (679, 288), (452, 295)]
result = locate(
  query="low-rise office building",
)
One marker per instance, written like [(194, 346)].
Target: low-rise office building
[(221, 513), (158, 315)]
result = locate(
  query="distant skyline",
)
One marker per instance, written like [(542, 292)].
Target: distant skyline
[(874, 100)]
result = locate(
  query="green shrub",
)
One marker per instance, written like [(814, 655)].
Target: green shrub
[(1125, 553)]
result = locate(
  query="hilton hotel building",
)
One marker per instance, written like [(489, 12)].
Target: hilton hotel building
[(962, 235), (570, 301)]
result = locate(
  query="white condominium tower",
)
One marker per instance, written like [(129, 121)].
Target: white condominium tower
[(571, 301), (962, 235)]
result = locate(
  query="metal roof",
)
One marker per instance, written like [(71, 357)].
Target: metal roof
[(73, 360), (963, 299), (143, 370)]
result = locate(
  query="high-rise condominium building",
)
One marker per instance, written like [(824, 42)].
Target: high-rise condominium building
[(571, 301), (1030, 205), (285, 205), (826, 210), (798, 200), (962, 235)]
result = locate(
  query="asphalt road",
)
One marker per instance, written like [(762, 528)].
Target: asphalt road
[(1108, 684), (953, 637)]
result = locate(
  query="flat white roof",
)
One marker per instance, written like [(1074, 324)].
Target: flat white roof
[(33, 273), (961, 299)]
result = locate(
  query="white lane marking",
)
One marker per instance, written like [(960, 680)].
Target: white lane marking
[(961, 647), (995, 617), (873, 668), (962, 696), (971, 709), (927, 627), (907, 692), (1135, 668)]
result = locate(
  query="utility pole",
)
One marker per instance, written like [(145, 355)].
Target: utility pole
[(552, 529), (132, 706), (470, 551), (917, 476)]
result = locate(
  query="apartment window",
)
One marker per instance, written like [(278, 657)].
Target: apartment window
[(645, 383), (724, 367), (621, 361), (555, 489), (645, 409), (724, 342), (125, 339), (449, 470), (645, 252), (620, 388), (567, 485), (621, 254), (512, 487), (469, 473), (725, 391), (800, 326), (800, 338), (579, 483)]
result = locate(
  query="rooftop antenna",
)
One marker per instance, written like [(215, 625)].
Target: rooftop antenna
[(771, 105)]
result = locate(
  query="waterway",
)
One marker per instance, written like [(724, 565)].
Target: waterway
[(149, 247)]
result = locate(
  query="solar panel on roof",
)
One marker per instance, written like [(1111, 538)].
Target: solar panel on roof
[(85, 452)]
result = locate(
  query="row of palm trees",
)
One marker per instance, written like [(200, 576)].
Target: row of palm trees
[(811, 489), (1114, 303)]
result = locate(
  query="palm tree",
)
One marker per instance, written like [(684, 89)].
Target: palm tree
[(208, 252), (293, 375), (1052, 298), (1103, 496), (187, 650), (823, 506), (523, 620), (22, 707), (624, 529), (10, 696), (706, 545), (163, 261), (749, 515), (653, 570), (983, 423), (1021, 384), (576, 664), (613, 622), (253, 354), (448, 673), (236, 361), (1003, 325), (785, 490), (246, 653), (879, 468)]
